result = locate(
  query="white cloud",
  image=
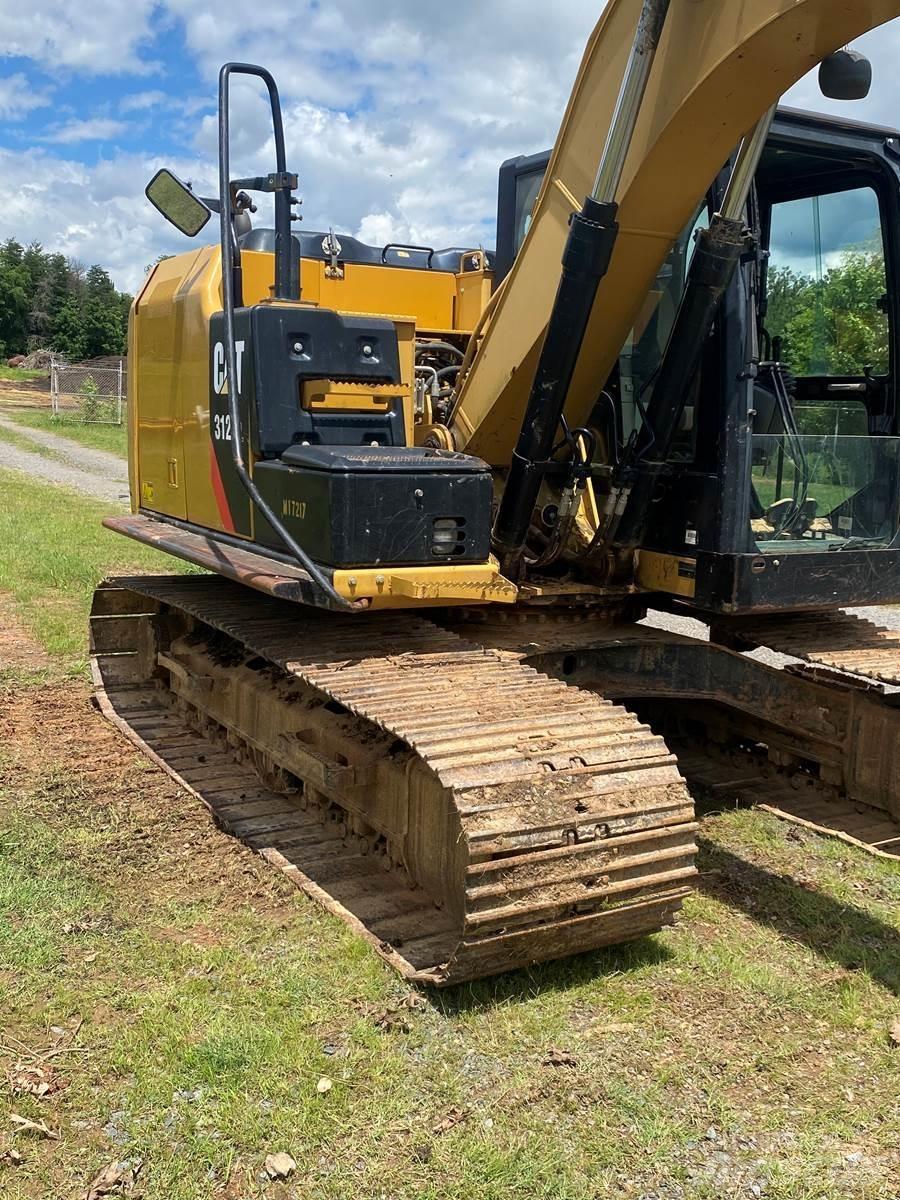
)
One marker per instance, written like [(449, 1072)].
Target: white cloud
[(93, 129), (100, 37), (399, 120), (17, 98), (141, 101), (97, 214), (398, 115)]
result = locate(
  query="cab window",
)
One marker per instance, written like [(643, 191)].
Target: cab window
[(826, 284)]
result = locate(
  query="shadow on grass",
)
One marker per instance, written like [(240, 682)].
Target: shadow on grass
[(839, 932), (558, 976)]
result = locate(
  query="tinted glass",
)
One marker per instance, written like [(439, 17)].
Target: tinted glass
[(826, 280)]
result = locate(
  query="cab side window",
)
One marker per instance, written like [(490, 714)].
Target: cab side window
[(826, 284)]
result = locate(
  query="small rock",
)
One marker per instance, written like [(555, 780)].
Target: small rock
[(324, 1085), (712, 1134), (113, 1130), (279, 1166), (895, 1032), (855, 1157)]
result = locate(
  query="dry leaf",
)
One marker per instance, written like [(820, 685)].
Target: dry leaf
[(25, 1080), (453, 1118), (560, 1058), (392, 1022), (279, 1166), (23, 1125), (116, 1177), (895, 1032), (11, 1158), (324, 1085)]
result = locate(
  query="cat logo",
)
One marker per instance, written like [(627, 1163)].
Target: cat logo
[(219, 369)]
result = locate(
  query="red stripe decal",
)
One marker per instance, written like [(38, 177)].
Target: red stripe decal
[(219, 491)]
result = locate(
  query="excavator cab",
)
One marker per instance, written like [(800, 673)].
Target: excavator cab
[(782, 485)]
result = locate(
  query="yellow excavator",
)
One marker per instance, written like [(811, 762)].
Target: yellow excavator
[(430, 495)]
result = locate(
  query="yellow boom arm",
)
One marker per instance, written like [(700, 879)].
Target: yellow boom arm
[(720, 66)]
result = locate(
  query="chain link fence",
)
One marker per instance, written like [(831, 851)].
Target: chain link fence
[(94, 394)]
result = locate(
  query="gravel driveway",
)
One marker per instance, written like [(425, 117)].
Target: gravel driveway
[(92, 473)]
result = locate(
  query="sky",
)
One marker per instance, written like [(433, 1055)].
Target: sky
[(397, 114)]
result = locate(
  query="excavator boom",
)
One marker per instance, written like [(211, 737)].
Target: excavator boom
[(720, 65)]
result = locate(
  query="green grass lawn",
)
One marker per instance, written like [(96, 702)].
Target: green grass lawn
[(113, 438), (748, 1047), (53, 553), (18, 373), (192, 1002)]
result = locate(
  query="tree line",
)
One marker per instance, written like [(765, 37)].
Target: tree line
[(48, 301)]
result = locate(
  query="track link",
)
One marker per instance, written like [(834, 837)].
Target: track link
[(463, 811)]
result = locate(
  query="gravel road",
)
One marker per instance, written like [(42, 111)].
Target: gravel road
[(90, 472)]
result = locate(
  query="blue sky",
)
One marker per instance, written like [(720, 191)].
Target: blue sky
[(398, 113)]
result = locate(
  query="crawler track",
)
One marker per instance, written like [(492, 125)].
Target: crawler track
[(817, 744), (463, 811), (841, 641)]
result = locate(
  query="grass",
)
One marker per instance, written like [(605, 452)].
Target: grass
[(203, 998), (112, 438), (828, 496), (53, 553), (18, 373), (214, 999)]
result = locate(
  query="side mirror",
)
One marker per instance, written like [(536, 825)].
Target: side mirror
[(177, 202), (845, 75)]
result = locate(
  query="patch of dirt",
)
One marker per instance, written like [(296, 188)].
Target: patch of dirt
[(164, 843), (17, 647)]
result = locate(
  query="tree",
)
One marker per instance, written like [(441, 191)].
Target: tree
[(15, 286), (48, 301), (68, 330), (102, 326)]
